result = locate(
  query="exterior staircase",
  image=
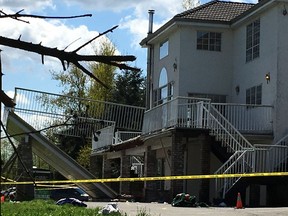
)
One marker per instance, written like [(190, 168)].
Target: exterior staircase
[(241, 160), (245, 158)]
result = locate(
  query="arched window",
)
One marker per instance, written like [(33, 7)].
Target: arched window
[(164, 91), (163, 81)]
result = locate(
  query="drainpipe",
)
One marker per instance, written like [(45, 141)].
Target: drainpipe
[(149, 63)]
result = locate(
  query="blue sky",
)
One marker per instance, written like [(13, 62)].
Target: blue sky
[(24, 69)]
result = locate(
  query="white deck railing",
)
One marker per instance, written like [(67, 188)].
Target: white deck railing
[(180, 112), (247, 118), (186, 112), (66, 125), (121, 136), (125, 117), (225, 132)]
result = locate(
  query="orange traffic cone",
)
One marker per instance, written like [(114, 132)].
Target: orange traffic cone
[(239, 202)]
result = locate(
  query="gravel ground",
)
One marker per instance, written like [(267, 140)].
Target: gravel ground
[(158, 209)]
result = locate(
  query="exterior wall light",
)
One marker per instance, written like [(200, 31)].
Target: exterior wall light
[(237, 89), (284, 12), (267, 77), (175, 66)]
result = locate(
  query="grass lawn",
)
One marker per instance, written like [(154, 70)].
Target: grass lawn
[(47, 208)]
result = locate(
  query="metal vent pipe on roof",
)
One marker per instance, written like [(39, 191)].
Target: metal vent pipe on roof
[(150, 28)]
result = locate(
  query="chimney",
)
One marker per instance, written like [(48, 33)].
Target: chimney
[(150, 28)]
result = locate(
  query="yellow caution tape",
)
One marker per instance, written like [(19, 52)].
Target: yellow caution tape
[(157, 178)]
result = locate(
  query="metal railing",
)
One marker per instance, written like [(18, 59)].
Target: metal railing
[(272, 158), (247, 118), (180, 112), (263, 158), (239, 162), (137, 162), (225, 132), (125, 116), (57, 124), (121, 136), (186, 112)]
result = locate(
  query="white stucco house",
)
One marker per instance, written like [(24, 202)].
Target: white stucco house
[(217, 102)]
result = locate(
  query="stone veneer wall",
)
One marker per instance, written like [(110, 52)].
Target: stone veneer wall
[(150, 170), (25, 192)]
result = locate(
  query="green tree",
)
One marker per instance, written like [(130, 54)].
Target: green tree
[(6, 151), (76, 84), (129, 88), (83, 157), (103, 72)]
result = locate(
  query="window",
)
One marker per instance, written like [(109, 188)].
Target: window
[(253, 40), (254, 95), (209, 41), (165, 90), (164, 49)]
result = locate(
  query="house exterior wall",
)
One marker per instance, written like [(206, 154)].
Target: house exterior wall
[(202, 71), (168, 61), (273, 60), (213, 72), (252, 73), (281, 105)]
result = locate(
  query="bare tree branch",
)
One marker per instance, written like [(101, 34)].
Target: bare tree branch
[(2, 12), (69, 57), (17, 15), (62, 55), (109, 30)]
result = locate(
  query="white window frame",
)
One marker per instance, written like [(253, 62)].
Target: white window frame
[(211, 41), (253, 40), (164, 49)]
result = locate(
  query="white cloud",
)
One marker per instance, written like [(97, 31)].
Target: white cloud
[(27, 5), (53, 34)]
